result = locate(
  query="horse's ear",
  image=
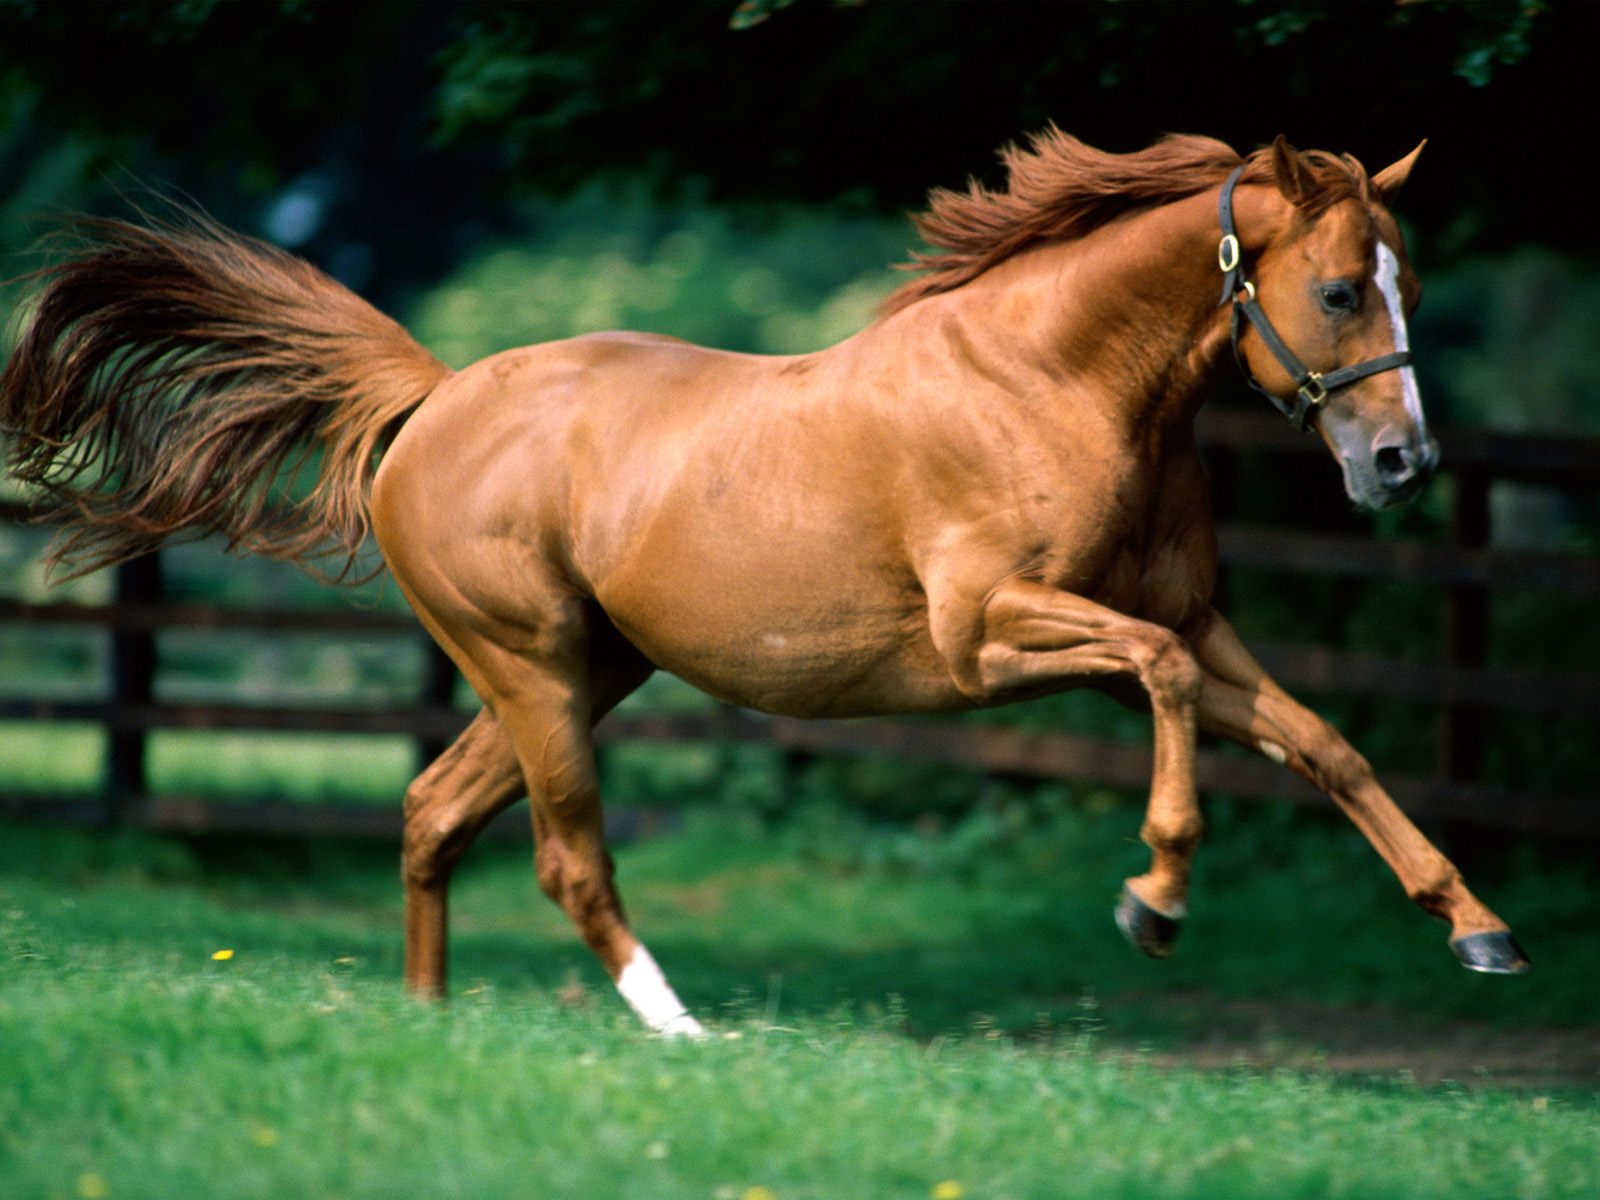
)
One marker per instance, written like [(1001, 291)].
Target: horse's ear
[(1289, 171), (1392, 178)]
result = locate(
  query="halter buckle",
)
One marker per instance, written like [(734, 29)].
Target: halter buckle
[(1247, 290), (1312, 391), (1228, 253)]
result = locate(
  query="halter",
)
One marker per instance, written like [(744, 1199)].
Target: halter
[(1312, 388)]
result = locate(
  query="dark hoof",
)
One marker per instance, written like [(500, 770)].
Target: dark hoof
[(1495, 953), (1150, 931)]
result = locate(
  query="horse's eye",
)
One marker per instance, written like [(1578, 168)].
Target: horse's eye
[(1339, 297)]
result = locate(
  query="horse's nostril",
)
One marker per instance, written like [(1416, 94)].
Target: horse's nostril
[(1392, 463)]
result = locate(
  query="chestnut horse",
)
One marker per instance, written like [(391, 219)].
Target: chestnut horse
[(990, 493)]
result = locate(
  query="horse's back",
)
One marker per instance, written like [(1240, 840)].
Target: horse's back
[(498, 445), (515, 418)]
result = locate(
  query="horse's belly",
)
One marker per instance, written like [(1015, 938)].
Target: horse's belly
[(775, 674), (785, 642)]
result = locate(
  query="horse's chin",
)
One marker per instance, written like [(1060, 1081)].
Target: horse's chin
[(1373, 497)]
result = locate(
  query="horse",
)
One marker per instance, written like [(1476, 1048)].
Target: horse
[(992, 492)]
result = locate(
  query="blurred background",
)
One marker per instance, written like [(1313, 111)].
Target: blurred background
[(494, 174)]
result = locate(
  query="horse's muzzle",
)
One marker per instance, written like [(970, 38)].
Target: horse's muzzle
[(1400, 467)]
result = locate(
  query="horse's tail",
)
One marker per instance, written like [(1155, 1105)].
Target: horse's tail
[(178, 378)]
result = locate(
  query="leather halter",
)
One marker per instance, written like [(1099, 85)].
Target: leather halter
[(1312, 388)]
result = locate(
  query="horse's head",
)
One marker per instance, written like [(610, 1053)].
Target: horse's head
[(1338, 288)]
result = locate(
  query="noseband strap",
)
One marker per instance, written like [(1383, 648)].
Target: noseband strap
[(1312, 388)]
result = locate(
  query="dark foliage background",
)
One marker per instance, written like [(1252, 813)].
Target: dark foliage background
[(423, 124)]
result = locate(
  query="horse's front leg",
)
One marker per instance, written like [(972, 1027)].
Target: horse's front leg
[(1240, 701), (1033, 636)]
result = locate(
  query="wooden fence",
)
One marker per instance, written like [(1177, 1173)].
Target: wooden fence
[(1465, 689)]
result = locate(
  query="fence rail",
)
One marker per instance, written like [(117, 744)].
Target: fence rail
[(1468, 570)]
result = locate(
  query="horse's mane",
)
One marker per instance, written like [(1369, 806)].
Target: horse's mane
[(1058, 188)]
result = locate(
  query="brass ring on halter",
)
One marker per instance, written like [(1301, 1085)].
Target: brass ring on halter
[(1228, 253), (1313, 392)]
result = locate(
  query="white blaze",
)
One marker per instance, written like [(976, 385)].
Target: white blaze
[(646, 989), (1388, 280)]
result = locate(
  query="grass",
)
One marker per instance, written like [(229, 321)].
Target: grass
[(895, 1011), (335, 1091)]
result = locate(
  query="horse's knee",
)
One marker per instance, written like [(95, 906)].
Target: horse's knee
[(1167, 668), (424, 789), (421, 862), (429, 821), (432, 843)]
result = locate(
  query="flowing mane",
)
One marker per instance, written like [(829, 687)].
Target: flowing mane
[(1059, 188)]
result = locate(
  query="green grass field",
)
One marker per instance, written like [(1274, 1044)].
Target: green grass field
[(896, 1014)]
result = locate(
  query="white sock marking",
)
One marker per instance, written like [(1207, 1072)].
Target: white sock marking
[(647, 991), (1388, 280)]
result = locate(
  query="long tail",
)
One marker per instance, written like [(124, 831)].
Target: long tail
[(179, 378)]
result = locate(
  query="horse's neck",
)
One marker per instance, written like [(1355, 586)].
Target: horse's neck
[(1125, 318)]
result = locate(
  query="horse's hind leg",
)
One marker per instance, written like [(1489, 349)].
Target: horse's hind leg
[(446, 808), (567, 668), (574, 868), (1240, 701)]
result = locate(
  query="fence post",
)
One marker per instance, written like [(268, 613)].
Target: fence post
[(438, 691), (133, 671), (792, 766), (1466, 629)]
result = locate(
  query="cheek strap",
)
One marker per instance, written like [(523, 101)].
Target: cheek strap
[(1312, 388)]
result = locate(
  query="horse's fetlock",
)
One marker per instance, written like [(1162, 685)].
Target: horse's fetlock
[(1181, 834), (1432, 889)]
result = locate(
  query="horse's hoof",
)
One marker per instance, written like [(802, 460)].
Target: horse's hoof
[(1495, 953), (1150, 931), (683, 1026)]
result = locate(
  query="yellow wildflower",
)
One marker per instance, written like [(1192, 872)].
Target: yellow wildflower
[(264, 1136), (759, 1193), (91, 1186), (221, 955), (949, 1189)]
